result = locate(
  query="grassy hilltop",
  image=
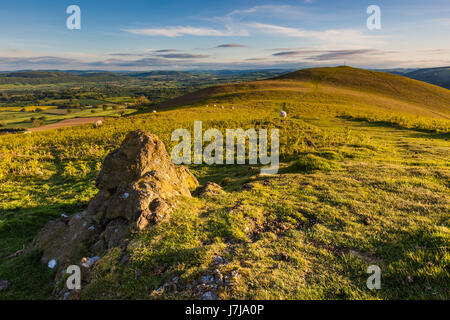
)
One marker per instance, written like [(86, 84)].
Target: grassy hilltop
[(364, 180)]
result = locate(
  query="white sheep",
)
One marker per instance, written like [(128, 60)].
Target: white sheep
[(154, 111), (98, 123), (283, 114)]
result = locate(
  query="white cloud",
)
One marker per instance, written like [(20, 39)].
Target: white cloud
[(279, 9), (279, 30), (348, 38), (187, 30)]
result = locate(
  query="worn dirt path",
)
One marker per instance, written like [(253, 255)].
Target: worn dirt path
[(66, 123)]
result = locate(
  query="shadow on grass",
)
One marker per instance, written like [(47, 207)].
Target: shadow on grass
[(426, 133), (18, 227), (230, 177), (29, 279), (413, 263)]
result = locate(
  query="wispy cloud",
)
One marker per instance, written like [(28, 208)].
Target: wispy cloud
[(166, 50), (323, 55), (331, 36), (231, 45), (294, 53), (187, 30), (183, 56), (345, 54), (36, 61), (349, 37)]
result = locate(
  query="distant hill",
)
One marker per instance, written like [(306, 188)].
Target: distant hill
[(437, 76), (373, 81), (399, 71), (35, 74), (187, 78), (337, 89), (55, 77)]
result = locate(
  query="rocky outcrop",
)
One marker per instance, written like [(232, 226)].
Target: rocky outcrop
[(138, 187), (209, 189), (138, 181)]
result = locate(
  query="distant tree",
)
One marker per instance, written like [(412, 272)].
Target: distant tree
[(36, 123), (69, 111), (141, 102), (104, 107)]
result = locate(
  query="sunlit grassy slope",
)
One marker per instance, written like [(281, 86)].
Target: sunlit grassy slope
[(374, 95), (364, 180)]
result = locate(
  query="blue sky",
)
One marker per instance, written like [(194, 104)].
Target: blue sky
[(201, 34)]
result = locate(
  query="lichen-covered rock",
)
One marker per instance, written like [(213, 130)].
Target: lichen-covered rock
[(134, 176), (116, 233), (209, 189), (138, 187), (62, 239), (140, 152)]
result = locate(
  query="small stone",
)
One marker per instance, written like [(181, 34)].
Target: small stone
[(248, 186), (89, 262), (219, 260), (126, 195), (4, 285), (64, 215), (209, 296), (409, 279), (218, 277), (160, 270), (207, 279), (52, 264), (93, 260), (66, 295)]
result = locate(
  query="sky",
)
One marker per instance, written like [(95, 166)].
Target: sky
[(227, 34)]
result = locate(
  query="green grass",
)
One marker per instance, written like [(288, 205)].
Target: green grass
[(350, 193)]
